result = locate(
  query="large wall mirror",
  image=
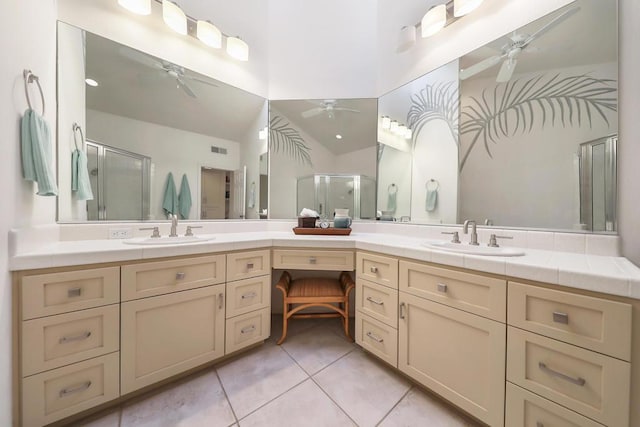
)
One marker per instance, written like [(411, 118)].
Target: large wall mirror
[(519, 133), (323, 157), (149, 122)]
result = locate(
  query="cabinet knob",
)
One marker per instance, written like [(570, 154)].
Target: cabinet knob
[(249, 265), (248, 329), (402, 305), (180, 276), (74, 292), (374, 270), (442, 287), (560, 317), (75, 389), (312, 260), (375, 301), (72, 338), (374, 337)]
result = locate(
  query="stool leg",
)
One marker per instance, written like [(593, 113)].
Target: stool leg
[(285, 319), (346, 321)]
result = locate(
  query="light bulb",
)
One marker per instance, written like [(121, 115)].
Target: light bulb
[(434, 20), (408, 134), (386, 122), (209, 34), (139, 7), (394, 126), (402, 129), (174, 17), (237, 49), (462, 7)]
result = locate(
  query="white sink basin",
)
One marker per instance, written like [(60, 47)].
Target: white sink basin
[(165, 240), (464, 248)]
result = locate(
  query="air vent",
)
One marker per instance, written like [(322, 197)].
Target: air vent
[(219, 150)]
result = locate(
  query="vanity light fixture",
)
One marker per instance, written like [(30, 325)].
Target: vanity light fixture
[(394, 126), (174, 17), (434, 20), (237, 48), (402, 130), (263, 133), (408, 134), (209, 34), (139, 7), (91, 82), (462, 7), (407, 38), (386, 122)]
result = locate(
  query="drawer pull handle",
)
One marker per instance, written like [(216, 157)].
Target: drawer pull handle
[(74, 292), (375, 301), (559, 317), (79, 337), (248, 329), (249, 295), (180, 276), (374, 270), (577, 381), (220, 300), (249, 265), (402, 310), (76, 389), (442, 288), (374, 337), (312, 260)]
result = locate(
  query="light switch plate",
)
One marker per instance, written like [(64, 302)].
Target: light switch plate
[(120, 233)]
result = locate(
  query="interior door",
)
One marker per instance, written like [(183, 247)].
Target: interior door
[(239, 194), (212, 194)]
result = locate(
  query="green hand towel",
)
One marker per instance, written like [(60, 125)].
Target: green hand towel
[(184, 199), (80, 182), (170, 199), (37, 153), (432, 200)]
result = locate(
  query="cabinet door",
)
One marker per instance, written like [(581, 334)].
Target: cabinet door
[(165, 335), (243, 265), (458, 355)]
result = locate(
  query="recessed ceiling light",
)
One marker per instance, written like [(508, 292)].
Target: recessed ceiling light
[(91, 82), (338, 136)]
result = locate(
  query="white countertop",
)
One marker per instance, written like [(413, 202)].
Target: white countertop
[(612, 275)]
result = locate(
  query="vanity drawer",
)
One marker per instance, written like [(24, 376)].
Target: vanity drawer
[(248, 295), (526, 409), (163, 277), (589, 383), (593, 323), (377, 338), (481, 295), (244, 265), (55, 341), (55, 293), (377, 269), (247, 329), (313, 260), (377, 301), (65, 391)]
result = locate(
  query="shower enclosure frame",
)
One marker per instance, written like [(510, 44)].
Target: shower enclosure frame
[(317, 178)]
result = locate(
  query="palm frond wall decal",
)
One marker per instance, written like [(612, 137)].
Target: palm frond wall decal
[(283, 137), (517, 106), (438, 101)]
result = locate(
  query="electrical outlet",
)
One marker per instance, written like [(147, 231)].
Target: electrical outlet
[(120, 233)]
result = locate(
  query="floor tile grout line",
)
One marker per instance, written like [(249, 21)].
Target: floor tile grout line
[(395, 406), (344, 411), (226, 396)]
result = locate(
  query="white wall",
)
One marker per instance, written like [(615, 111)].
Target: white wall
[(251, 149), (27, 40), (171, 150), (395, 168)]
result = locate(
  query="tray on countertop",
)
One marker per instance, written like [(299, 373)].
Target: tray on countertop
[(322, 231)]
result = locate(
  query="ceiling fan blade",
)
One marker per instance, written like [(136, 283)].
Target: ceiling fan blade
[(351, 110), (551, 24), (480, 67), (506, 70), (312, 112), (199, 80), (182, 85)]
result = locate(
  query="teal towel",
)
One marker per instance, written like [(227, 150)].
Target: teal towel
[(37, 153), (184, 199), (391, 202), (170, 199), (432, 200), (80, 182)]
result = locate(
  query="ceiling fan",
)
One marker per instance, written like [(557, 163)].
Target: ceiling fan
[(515, 45), (329, 106), (176, 72)]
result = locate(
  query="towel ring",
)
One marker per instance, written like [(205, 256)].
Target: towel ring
[(29, 77), (392, 189), (76, 128), (432, 181)]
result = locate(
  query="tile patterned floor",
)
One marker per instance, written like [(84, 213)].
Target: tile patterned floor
[(316, 378)]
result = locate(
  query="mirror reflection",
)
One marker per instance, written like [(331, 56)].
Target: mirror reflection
[(323, 157), (160, 139), (499, 135)]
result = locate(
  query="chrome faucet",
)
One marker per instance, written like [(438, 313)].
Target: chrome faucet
[(474, 235), (174, 226)]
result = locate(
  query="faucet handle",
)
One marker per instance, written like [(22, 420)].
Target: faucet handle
[(455, 238), (493, 243), (190, 228), (156, 232)]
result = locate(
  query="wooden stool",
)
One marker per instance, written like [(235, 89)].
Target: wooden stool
[(315, 292)]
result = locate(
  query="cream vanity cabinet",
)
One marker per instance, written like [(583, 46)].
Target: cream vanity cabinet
[(452, 336), (568, 358), (69, 340), (173, 318)]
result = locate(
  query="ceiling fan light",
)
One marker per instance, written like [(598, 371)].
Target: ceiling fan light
[(237, 49), (209, 34), (463, 7), (174, 17), (386, 122), (434, 20), (139, 7)]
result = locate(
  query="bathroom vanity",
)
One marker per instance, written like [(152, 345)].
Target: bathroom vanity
[(511, 341)]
